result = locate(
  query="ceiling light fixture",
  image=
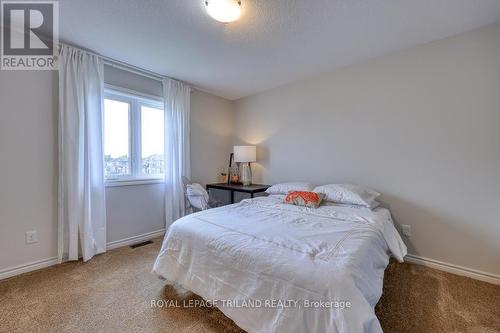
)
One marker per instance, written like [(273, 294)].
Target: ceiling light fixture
[(224, 11)]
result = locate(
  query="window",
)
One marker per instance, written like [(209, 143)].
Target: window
[(151, 148), (116, 138), (133, 137)]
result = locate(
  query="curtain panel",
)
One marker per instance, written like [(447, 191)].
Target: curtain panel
[(177, 98), (82, 208)]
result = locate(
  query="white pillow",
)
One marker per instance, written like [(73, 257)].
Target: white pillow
[(197, 196), (284, 188), (373, 205), (348, 194)]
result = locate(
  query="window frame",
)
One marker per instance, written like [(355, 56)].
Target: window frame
[(135, 100)]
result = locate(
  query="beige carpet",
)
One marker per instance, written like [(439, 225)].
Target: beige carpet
[(113, 293)]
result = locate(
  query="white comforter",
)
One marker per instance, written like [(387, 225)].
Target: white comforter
[(263, 263)]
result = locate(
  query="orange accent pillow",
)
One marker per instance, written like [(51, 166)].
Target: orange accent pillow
[(303, 198)]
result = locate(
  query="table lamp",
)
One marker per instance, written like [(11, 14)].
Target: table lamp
[(245, 155)]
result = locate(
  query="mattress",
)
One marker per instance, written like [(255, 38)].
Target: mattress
[(273, 267)]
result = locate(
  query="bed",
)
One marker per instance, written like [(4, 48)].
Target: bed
[(273, 267)]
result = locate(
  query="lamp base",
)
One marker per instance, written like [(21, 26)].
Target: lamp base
[(246, 174)]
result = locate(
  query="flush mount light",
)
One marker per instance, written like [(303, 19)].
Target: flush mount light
[(224, 11)]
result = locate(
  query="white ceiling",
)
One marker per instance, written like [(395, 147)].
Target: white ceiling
[(275, 41)]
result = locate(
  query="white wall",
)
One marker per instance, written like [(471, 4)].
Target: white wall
[(211, 136), (28, 164), (421, 126), (134, 210)]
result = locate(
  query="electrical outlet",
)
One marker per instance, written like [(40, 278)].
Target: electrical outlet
[(407, 230), (31, 237)]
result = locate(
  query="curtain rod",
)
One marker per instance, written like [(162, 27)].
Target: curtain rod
[(126, 66)]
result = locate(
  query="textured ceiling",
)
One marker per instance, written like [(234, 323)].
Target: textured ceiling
[(274, 42)]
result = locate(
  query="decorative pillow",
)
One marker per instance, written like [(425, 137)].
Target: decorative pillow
[(348, 194), (284, 188), (304, 198)]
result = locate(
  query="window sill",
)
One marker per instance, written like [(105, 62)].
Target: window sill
[(133, 182)]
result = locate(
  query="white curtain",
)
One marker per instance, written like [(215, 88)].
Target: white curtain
[(177, 147), (82, 209)]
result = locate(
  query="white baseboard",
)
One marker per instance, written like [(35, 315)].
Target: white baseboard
[(454, 269), (134, 239), (28, 267), (443, 266), (39, 264)]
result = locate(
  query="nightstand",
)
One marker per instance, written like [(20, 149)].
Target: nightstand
[(251, 189)]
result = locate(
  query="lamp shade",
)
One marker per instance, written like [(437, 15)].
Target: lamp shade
[(245, 154), (224, 11)]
